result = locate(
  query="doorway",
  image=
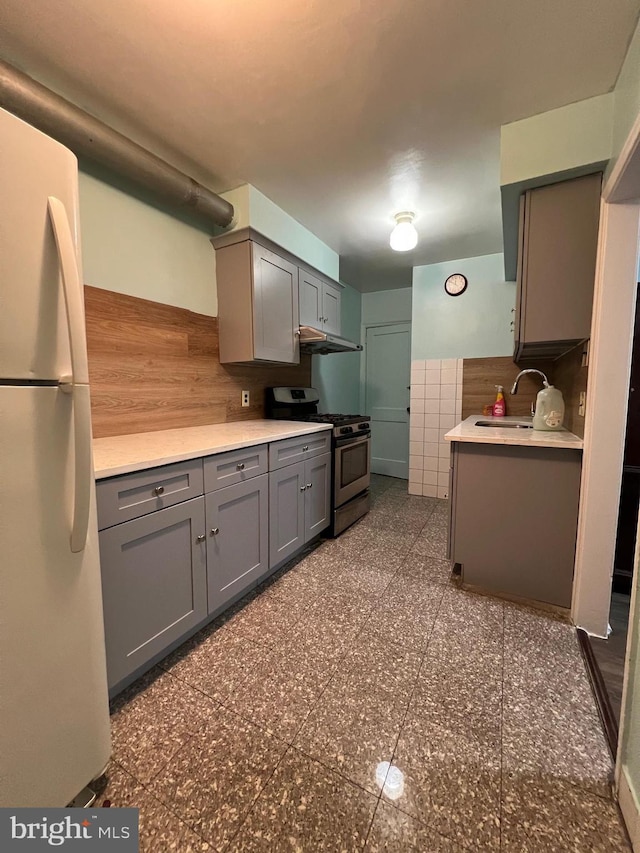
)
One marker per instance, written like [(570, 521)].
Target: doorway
[(387, 371)]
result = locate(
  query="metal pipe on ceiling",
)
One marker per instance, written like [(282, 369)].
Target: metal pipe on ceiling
[(88, 137)]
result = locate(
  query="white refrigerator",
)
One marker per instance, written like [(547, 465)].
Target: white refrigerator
[(54, 719)]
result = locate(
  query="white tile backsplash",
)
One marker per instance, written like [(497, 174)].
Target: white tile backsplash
[(447, 392), (431, 492), (436, 407)]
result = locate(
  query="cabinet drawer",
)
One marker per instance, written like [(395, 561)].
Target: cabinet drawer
[(236, 466), (133, 495), (297, 449)]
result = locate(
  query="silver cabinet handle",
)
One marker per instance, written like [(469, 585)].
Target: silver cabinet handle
[(306, 447), (201, 538), (214, 531), (240, 466), (309, 485), (159, 490), (297, 333), (302, 488)]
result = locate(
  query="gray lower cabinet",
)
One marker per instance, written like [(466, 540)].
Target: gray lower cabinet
[(237, 539), (299, 505), (514, 517), (154, 584)]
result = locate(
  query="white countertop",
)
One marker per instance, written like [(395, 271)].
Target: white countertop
[(468, 431), (122, 454)]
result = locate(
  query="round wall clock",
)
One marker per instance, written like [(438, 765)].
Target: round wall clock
[(456, 284)]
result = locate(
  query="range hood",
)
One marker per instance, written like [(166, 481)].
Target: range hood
[(318, 342)]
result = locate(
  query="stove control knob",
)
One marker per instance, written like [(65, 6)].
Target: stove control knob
[(346, 429)]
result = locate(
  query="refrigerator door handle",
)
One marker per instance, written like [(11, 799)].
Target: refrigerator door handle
[(72, 290), (78, 382), (83, 470)]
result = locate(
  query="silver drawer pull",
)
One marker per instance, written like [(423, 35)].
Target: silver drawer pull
[(306, 447), (214, 531), (302, 488), (240, 466), (201, 538), (309, 485), (159, 490)]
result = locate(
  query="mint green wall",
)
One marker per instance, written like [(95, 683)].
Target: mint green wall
[(337, 376), (255, 209), (473, 325), (626, 98), (131, 247), (387, 306)]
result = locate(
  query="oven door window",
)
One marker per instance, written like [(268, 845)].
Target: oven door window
[(354, 463)]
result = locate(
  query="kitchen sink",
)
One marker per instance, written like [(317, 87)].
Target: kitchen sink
[(506, 425)]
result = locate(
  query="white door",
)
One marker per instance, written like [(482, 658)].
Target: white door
[(388, 368)]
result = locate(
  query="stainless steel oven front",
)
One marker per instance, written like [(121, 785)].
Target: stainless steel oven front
[(352, 472)]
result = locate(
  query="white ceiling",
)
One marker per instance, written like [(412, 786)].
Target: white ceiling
[(341, 112)]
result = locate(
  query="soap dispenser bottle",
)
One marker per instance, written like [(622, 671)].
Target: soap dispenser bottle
[(499, 407), (549, 413)]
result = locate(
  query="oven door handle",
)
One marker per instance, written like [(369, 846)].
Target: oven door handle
[(353, 440)]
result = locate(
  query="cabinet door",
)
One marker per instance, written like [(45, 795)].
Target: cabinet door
[(153, 584), (286, 512), (237, 544), (317, 495), (331, 309), (559, 244), (275, 307), (310, 290)]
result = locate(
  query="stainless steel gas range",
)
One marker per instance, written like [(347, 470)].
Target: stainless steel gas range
[(351, 448)]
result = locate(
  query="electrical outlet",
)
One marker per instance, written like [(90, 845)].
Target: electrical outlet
[(245, 399), (582, 403)]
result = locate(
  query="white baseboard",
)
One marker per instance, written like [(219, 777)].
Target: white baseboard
[(630, 809)]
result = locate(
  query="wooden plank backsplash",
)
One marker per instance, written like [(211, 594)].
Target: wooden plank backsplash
[(481, 375), (154, 367)]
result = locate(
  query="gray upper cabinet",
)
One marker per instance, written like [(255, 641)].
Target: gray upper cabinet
[(319, 303), (299, 505), (237, 539), (154, 585), (556, 267), (257, 304)]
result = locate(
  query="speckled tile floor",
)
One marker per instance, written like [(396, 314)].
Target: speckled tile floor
[(363, 701)]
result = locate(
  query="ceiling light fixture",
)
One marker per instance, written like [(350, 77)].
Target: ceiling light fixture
[(404, 236)]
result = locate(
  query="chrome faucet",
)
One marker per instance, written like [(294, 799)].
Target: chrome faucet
[(545, 382)]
